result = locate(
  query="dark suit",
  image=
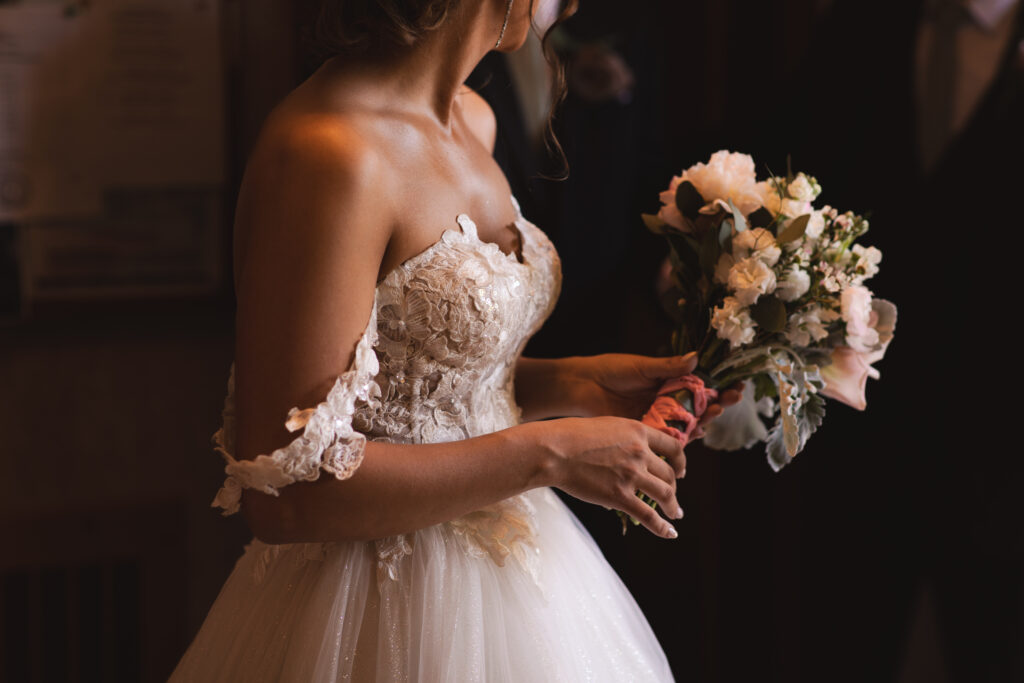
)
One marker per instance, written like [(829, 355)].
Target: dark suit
[(924, 488)]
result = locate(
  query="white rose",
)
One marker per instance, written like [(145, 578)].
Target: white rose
[(816, 225), (750, 278), (794, 207), (757, 242), (801, 188), (793, 285), (768, 190), (855, 304), (809, 325), (733, 322), (727, 175)]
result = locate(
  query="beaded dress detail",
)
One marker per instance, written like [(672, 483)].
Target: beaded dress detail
[(517, 591)]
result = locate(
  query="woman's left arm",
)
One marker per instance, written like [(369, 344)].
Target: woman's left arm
[(618, 384)]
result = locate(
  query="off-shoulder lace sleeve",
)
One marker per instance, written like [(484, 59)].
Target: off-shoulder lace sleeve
[(327, 442)]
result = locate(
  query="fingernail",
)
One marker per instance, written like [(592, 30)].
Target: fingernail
[(683, 473), (671, 531), (679, 513)]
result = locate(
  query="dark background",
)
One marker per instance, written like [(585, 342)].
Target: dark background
[(890, 550)]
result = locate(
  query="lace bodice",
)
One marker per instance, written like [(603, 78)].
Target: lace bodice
[(451, 323), (435, 363)]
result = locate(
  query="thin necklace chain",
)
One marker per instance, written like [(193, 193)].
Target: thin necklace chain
[(508, 13)]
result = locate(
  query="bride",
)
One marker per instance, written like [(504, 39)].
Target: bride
[(387, 282)]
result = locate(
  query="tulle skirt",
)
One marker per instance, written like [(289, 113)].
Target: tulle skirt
[(331, 612)]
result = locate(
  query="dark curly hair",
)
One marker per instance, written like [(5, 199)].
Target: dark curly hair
[(350, 26), (374, 26)]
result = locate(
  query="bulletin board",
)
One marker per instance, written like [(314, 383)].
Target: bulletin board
[(112, 149)]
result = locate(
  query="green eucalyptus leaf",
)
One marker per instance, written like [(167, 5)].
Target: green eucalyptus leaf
[(762, 218), (795, 230), (737, 217), (725, 236), (769, 313), (688, 200)]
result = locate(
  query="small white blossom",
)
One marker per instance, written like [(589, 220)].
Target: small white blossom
[(750, 278), (833, 279), (868, 259), (769, 191), (794, 208), (801, 188), (793, 285), (757, 242), (810, 325), (816, 225), (856, 308), (733, 322)]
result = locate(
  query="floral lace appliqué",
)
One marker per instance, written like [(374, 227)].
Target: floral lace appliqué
[(436, 364), (327, 442)]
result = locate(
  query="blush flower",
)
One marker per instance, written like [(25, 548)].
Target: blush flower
[(759, 243), (750, 278), (846, 378), (733, 322), (855, 304), (793, 285), (727, 175)]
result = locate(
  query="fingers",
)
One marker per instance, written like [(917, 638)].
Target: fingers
[(732, 395), (729, 397), (713, 411), (646, 515), (661, 469), (668, 368), (667, 447), (662, 492)]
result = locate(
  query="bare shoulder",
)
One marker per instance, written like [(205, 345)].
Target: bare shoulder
[(311, 229), (312, 178), (314, 151), (479, 117)]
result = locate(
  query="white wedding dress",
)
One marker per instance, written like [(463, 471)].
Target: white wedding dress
[(514, 592)]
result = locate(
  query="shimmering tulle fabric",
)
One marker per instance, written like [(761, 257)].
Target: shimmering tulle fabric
[(517, 591)]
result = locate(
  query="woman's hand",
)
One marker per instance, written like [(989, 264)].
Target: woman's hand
[(625, 385), (606, 460)]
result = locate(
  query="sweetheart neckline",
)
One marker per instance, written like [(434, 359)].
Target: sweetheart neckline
[(471, 235)]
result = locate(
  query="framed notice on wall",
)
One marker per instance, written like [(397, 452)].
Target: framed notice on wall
[(112, 146)]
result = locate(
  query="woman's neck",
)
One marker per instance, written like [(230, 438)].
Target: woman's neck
[(426, 77)]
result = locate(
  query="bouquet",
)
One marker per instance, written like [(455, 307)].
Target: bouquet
[(768, 290)]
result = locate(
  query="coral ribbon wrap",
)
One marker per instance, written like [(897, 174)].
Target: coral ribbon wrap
[(666, 408)]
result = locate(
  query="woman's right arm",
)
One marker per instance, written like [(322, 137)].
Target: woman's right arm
[(313, 227)]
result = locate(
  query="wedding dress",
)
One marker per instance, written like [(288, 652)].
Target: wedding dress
[(517, 591)]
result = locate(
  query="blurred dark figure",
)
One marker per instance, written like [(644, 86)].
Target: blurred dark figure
[(915, 111)]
